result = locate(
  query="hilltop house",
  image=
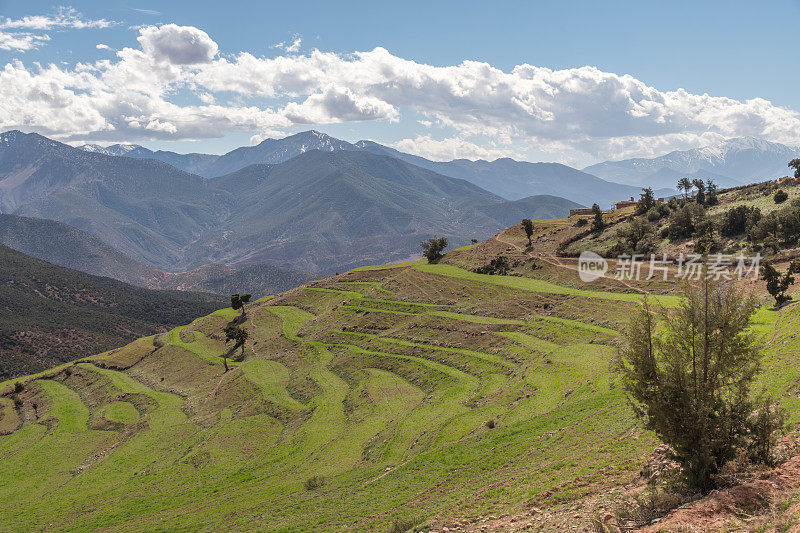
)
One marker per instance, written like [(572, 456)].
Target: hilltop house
[(624, 203), (616, 205), (580, 211)]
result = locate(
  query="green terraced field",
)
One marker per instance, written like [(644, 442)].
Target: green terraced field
[(380, 382)]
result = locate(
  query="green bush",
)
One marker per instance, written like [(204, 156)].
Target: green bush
[(653, 215), (497, 266), (638, 236), (314, 483), (738, 220), (780, 196), (432, 249), (689, 373), (401, 525), (682, 223)]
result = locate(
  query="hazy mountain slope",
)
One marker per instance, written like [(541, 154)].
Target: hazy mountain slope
[(338, 209), (69, 247), (518, 179), (194, 163), (51, 314), (142, 207), (732, 162), (257, 279), (534, 207), (505, 177), (66, 246)]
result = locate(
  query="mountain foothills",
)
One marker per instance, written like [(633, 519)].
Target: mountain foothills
[(473, 394), (50, 314), (346, 207), (66, 246)]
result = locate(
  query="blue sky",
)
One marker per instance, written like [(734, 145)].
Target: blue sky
[(739, 51)]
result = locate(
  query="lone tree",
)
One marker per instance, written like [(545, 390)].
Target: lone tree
[(685, 185), (711, 195), (237, 334), (778, 284), (688, 372), (238, 301), (597, 223), (647, 201), (701, 191), (527, 224), (432, 248), (795, 164)]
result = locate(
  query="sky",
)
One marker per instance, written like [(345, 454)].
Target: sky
[(572, 82)]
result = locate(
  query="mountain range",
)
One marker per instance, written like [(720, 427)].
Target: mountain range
[(730, 163), (306, 203), (318, 211), (507, 178)]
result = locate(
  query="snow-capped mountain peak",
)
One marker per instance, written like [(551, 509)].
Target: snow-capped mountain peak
[(114, 149), (729, 162)]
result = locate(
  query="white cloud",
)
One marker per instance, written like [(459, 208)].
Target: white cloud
[(179, 45), (450, 148), (146, 11), (21, 41), (102, 46), (291, 46), (19, 34), (485, 112), (64, 17), (339, 104), (295, 46)]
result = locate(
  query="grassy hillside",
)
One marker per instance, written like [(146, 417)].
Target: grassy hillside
[(398, 394), (51, 314)]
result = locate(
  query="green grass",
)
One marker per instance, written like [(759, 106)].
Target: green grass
[(123, 412), (271, 378), (292, 318), (66, 406), (535, 285), (385, 396)]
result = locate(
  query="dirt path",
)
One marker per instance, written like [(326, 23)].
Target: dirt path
[(556, 261)]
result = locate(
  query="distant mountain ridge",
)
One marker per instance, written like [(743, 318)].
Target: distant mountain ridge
[(193, 162), (319, 211), (269, 151), (274, 151), (510, 179), (517, 179), (730, 163)]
